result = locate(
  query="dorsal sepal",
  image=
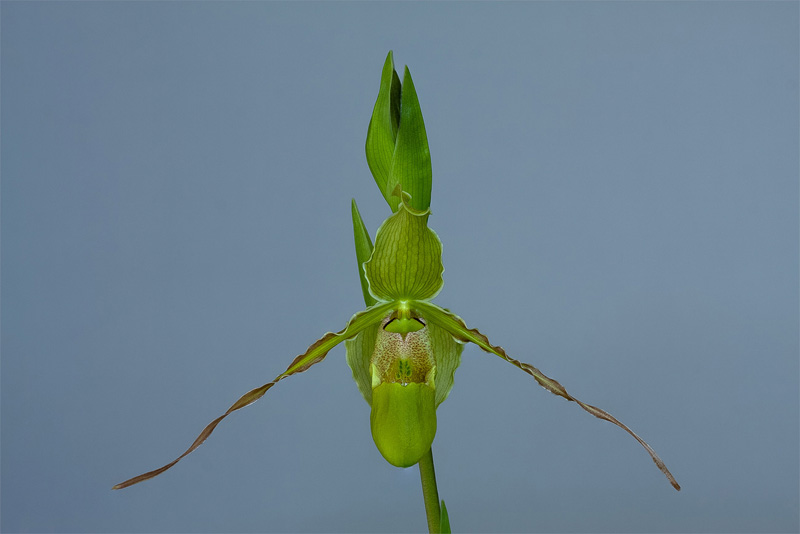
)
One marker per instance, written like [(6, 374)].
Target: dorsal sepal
[(406, 263)]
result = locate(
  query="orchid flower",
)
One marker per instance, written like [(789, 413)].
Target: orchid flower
[(403, 349)]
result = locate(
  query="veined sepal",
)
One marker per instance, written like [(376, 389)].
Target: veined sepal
[(406, 263)]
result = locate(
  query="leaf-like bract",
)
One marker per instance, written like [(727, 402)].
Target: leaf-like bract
[(383, 126), (444, 520), (411, 162), (397, 145), (363, 251)]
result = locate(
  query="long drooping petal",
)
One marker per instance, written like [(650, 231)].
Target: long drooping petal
[(456, 326), (314, 354)]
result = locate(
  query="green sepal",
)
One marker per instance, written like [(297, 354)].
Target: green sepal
[(406, 263), (383, 126), (403, 421), (363, 251)]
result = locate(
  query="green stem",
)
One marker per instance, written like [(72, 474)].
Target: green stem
[(427, 476)]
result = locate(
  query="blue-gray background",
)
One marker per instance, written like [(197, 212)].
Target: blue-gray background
[(616, 188)]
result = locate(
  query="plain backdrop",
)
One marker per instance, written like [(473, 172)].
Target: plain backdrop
[(616, 188)]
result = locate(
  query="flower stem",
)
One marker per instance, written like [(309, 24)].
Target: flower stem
[(430, 494)]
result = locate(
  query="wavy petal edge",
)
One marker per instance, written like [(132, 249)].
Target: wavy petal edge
[(313, 355), (458, 328)]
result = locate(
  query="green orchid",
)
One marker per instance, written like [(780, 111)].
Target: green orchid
[(403, 349)]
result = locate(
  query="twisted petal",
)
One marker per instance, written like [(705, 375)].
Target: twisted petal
[(314, 354), (453, 324)]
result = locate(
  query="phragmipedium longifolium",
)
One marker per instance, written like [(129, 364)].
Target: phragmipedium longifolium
[(403, 349)]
